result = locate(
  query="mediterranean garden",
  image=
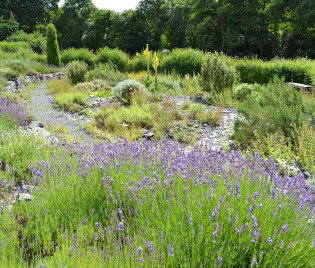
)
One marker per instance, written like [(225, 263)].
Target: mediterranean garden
[(179, 157)]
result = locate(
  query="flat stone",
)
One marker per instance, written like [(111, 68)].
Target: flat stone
[(24, 197)]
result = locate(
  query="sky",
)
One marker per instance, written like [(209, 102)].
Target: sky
[(116, 5)]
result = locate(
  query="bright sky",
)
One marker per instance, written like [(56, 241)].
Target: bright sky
[(116, 5)]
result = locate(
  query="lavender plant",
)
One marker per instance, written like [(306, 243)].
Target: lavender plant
[(152, 204), (12, 114)]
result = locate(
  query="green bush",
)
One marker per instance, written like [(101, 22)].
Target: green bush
[(82, 54), (183, 61), (8, 73), (53, 54), (115, 56), (217, 74), (258, 71), (139, 63), (35, 40), (276, 107), (106, 72), (15, 64), (242, 91), (123, 90), (76, 71), (13, 47)]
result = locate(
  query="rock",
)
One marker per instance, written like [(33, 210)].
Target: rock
[(306, 174), (16, 85), (149, 135), (95, 104), (24, 197), (26, 189)]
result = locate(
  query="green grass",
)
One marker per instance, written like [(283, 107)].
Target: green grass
[(72, 101)]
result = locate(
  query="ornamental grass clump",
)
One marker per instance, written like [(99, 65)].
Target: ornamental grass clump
[(153, 204)]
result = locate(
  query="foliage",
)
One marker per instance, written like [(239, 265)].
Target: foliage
[(76, 71), (253, 214), (106, 72), (8, 27), (305, 147), (216, 74), (276, 107), (123, 90), (31, 72), (72, 101), (8, 73), (139, 63), (57, 86), (83, 55), (18, 149), (13, 47), (242, 91), (53, 54), (114, 56), (183, 61), (258, 71), (35, 40)]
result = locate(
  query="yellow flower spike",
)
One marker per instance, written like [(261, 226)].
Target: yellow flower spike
[(155, 61), (147, 52)]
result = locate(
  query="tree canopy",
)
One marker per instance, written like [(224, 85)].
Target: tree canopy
[(266, 28)]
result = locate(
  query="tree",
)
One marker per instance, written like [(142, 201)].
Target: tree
[(8, 27), (99, 30), (29, 13), (53, 54), (72, 22)]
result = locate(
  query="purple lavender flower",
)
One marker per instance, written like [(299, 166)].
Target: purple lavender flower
[(139, 251), (269, 240), (170, 250)]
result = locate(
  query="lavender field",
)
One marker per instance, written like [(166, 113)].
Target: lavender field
[(152, 204)]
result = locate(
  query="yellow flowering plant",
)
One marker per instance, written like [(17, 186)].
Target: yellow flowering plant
[(147, 56), (155, 66)]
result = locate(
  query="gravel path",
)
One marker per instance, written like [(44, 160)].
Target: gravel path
[(216, 138), (43, 111)]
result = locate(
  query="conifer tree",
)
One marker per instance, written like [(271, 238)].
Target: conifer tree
[(53, 54)]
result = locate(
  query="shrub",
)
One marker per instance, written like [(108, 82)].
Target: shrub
[(123, 90), (53, 54), (183, 61), (211, 116), (106, 72), (31, 72), (115, 56), (76, 71), (216, 74), (258, 71), (276, 107), (82, 55), (139, 63), (8, 73), (241, 91), (13, 47)]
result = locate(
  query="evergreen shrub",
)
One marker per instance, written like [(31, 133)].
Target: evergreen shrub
[(53, 54)]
